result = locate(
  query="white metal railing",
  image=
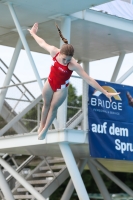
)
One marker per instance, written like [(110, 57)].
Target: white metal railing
[(3, 66)]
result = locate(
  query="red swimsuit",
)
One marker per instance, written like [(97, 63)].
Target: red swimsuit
[(59, 75)]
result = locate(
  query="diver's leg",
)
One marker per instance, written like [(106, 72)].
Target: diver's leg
[(57, 100)]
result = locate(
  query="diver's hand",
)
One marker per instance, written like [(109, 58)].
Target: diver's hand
[(34, 29), (109, 95)]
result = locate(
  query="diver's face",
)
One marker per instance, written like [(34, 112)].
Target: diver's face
[(65, 59)]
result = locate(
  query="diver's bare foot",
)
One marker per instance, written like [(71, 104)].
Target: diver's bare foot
[(39, 130), (42, 134)]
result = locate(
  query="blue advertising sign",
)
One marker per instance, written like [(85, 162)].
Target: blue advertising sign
[(111, 123)]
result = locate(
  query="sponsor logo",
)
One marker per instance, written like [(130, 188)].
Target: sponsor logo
[(100, 103), (108, 89)]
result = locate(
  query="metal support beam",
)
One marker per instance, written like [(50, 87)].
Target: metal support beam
[(75, 120), (10, 72), (21, 180), (25, 163), (23, 93), (74, 172), (65, 28), (70, 187), (112, 177), (65, 149), (55, 183), (22, 83), (62, 110), (118, 66), (85, 98), (104, 19), (13, 14), (18, 117), (124, 76), (99, 181), (38, 114), (7, 115), (5, 187)]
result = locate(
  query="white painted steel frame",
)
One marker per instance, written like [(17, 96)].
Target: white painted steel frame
[(5, 187), (11, 69), (118, 66), (22, 37), (110, 21), (74, 172), (85, 97), (7, 115), (125, 75), (19, 116), (10, 72), (62, 110), (95, 17), (99, 181), (64, 147), (14, 107), (55, 183), (112, 177), (21, 180), (70, 187), (104, 19), (18, 169), (122, 24), (76, 121), (22, 83), (12, 11), (28, 140)]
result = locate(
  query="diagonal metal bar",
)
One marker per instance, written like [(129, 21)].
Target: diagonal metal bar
[(20, 83), (70, 187), (118, 66), (49, 167), (19, 116), (75, 120), (21, 180), (14, 85), (10, 72), (125, 75), (112, 177), (99, 181), (5, 188), (25, 163), (24, 42), (74, 172), (29, 176)]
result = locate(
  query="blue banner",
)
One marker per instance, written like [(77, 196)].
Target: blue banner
[(111, 123)]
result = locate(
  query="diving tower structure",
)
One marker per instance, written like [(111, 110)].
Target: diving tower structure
[(95, 35)]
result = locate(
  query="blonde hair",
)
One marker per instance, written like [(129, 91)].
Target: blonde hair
[(66, 48)]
